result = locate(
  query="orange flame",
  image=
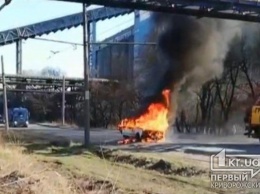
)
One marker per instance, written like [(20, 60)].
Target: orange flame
[(153, 122)]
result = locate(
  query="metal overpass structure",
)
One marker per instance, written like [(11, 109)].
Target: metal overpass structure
[(244, 10), (16, 35), (48, 84)]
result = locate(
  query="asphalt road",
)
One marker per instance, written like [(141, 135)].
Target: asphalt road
[(98, 136), (196, 144), (202, 144)]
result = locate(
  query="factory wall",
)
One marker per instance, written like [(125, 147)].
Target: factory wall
[(143, 27), (122, 61), (116, 61)]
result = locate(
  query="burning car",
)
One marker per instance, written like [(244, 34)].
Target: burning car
[(175, 64), (150, 126), (134, 134)]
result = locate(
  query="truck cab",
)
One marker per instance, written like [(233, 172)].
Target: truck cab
[(19, 117)]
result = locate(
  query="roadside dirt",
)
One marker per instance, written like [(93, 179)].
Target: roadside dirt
[(82, 184), (160, 166), (88, 186), (16, 183)]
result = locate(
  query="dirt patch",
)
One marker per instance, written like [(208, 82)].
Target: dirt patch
[(60, 143), (17, 183), (84, 184), (160, 166), (89, 186)]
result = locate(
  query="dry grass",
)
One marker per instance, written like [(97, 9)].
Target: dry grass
[(125, 177), (22, 173), (59, 168)]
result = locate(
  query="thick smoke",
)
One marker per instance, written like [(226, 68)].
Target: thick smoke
[(190, 52)]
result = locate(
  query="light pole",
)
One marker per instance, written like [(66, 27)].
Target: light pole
[(86, 77)]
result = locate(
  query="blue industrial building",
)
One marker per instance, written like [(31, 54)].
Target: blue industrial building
[(120, 61), (116, 61)]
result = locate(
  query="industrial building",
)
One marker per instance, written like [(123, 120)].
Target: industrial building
[(120, 61)]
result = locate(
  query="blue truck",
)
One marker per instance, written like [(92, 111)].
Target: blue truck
[(18, 117)]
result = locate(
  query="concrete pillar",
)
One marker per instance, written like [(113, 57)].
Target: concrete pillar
[(92, 48), (136, 47), (142, 28), (19, 57)]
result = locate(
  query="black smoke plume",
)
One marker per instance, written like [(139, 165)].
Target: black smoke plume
[(190, 52)]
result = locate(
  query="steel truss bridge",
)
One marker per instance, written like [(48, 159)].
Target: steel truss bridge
[(244, 10), (41, 84), (16, 35)]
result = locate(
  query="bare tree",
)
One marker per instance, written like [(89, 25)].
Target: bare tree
[(225, 87), (206, 103)]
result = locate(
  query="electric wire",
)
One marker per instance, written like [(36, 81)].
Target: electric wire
[(74, 44), (97, 43)]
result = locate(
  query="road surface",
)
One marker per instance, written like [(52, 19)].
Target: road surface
[(197, 144), (98, 136)]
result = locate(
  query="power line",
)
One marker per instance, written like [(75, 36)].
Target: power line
[(114, 27), (121, 24), (98, 43)]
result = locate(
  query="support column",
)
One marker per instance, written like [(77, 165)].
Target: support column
[(92, 49), (136, 47), (5, 101), (19, 57), (63, 104), (86, 76)]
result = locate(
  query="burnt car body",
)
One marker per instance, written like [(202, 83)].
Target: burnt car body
[(132, 133)]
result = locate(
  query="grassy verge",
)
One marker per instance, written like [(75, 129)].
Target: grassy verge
[(63, 167), (125, 173)]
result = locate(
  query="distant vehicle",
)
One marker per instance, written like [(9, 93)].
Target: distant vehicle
[(18, 117)]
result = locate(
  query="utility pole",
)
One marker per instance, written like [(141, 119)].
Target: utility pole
[(86, 74), (5, 96), (63, 101)]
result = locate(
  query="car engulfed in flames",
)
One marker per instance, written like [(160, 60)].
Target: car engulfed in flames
[(151, 126)]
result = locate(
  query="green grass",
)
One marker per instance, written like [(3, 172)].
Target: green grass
[(125, 176)]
